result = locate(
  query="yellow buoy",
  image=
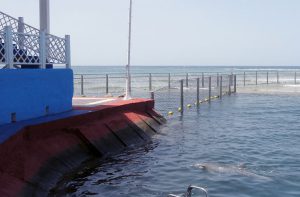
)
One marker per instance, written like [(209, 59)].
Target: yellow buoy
[(179, 109), (170, 113), (189, 105)]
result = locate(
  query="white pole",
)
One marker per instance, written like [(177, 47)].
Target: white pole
[(9, 54), (44, 16), (43, 50), (128, 77), (21, 30)]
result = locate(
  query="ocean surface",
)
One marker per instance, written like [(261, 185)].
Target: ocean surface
[(245, 145), (256, 131)]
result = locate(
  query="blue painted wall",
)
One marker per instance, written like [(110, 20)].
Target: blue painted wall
[(27, 92)]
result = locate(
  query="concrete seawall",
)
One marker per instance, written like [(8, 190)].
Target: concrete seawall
[(35, 158)]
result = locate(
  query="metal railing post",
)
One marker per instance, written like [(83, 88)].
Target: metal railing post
[(267, 77), (277, 77), (198, 92), (234, 82), (181, 96), (150, 81), (82, 88), (106, 86), (169, 81), (256, 78), (42, 44), (152, 95), (209, 89), (221, 84), (9, 50), (229, 84), (68, 51), (187, 80), (244, 78), (202, 80)]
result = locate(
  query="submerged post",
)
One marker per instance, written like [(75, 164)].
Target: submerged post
[(81, 83), (221, 91), (187, 80), (181, 96), (150, 81), (169, 81), (244, 78), (277, 77), (202, 80), (267, 77), (106, 86), (229, 84), (198, 92), (295, 77), (256, 78), (234, 76), (209, 89)]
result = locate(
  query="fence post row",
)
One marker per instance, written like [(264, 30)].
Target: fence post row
[(198, 92), (9, 54), (106, 86), (181, 96), (150, 81), (209, 89), (221, 84), (81, 83)]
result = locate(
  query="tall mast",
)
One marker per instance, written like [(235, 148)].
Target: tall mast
[(128, 77)]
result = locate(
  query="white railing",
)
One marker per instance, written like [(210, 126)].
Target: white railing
[(21, 44)]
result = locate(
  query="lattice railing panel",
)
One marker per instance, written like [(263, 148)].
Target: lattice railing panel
[(29, 54), (56, 49), (2, 47)]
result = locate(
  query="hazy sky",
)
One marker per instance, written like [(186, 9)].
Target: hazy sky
[(174, 32)]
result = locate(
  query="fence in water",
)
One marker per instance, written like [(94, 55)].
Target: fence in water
[(142, 84)]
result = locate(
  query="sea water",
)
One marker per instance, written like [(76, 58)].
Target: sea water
[(252, 137)]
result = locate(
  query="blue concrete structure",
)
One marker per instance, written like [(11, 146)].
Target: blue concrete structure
[(32, 93)]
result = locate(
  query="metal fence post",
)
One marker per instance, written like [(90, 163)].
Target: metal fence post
[(152, 95), (202, 80), (9, 51), (187, 80), (106, 87), (234, 82), (221, 84), (169, 81), (42, 45), (256, 78), (181, 96), (277, 77), (82, 90), (209, 89), (244, 78), (267, 77), (229, 84), (150, 81), (198, 92)]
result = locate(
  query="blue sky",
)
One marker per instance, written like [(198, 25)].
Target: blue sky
[(174, 32)]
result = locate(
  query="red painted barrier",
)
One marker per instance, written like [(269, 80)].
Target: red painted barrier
[(33, 160)]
